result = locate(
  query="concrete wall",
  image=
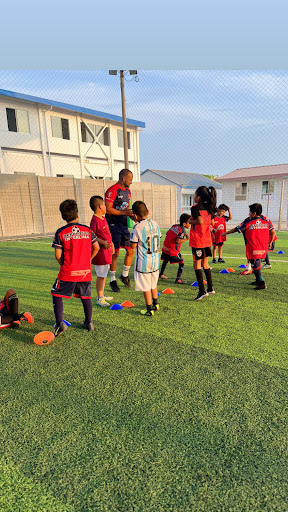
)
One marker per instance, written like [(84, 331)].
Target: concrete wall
[(240, 208), (38, 152), (29, 205)]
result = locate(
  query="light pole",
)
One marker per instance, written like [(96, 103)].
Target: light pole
[(125, 137)]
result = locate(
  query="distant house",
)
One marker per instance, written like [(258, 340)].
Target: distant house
[(50, 138), (265, 185), (186, 183)]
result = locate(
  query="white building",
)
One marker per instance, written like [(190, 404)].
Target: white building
[(266, 185), (186, 183), (49, 138)]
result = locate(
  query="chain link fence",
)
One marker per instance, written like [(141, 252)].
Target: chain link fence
[(67, 124)]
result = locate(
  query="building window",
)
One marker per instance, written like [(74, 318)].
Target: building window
[(17, 120), (267, 189), (241, 191), (121, 139), (60, 127), (187, 200), (104, 138)]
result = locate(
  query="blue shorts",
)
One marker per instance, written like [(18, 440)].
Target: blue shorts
[(120, 235), (66, 289)]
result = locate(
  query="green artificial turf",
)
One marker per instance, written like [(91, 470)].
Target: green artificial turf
[(185, 411)]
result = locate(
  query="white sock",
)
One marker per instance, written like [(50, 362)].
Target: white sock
[(125, 271), (112, 275)]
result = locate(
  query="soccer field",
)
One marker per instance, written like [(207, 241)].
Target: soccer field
[(184, 411)]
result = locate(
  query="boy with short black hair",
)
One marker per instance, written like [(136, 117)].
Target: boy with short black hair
[(145, 237), (103, 258), (75, 245), (172, 245), (219, 227), (259, 234)]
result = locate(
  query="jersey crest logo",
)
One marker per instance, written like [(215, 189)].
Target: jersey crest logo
[(198, 254)]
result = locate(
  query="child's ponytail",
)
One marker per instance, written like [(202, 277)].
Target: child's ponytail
[(212, 199)]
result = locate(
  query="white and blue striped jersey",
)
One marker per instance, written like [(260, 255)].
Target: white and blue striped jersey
[(147, 236)]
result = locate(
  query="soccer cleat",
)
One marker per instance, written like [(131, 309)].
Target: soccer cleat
[(126, 281), (60, 328), (200, 296), (102, 302), (106, 297), (180, 281), (245, 272), (163, 277), (211, 292), (88, 325), (261, 286), (27, 317), (114, 286), (254, 283), (214, 260), (156, 307), (266, 266), (145, 312), (220, 260)]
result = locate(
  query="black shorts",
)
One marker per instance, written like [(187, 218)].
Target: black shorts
[(256, 264), (120, 236), (215, 244), (199, 254), (66, 289), (172, 259)]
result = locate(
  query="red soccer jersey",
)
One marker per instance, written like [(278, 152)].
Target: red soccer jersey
[(76, 242), (219, 228), (200, 234), (257, 237), (100, 227), (119, 199), (169, 246)]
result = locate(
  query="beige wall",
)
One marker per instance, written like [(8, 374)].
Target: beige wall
[(29, 205)]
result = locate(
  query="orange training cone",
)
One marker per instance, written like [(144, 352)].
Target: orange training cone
[(168, 291), (230, 270), (127, 304), (43, 338)]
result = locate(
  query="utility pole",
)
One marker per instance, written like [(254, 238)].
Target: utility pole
[(125, 137)]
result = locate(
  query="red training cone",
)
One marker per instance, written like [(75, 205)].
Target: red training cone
[(168, 291), (127, 304)]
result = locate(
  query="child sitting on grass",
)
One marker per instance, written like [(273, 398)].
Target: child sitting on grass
[(145, 237), (75, 245), (103, 258), (219, 228), (259, 234), (9, 315), (172, 245)]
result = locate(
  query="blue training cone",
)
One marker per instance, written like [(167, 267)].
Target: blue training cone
[(158, 294), (116, 306), (280, 252), (242, 266), (224, 271), (195, 283), (65, 322)]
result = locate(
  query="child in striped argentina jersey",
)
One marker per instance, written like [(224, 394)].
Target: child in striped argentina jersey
[(145, 238)]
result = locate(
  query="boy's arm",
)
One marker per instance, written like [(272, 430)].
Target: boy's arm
[(229, 232), (230, 214), (272, 237), (113, 248), (103, 243), (95, 249), (195, 216), (181, 240), (58, 254)]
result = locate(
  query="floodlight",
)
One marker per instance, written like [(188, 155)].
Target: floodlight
[(133, 72), (112, 71)]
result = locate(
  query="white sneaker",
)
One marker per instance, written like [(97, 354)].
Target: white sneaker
[(105, 297), (266, 266), (102, 302)]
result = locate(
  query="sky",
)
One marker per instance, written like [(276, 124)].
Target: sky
[(209, 122)]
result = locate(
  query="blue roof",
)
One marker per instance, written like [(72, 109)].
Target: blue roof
[(185, 179), (68, 106)]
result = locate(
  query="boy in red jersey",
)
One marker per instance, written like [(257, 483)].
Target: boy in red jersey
[(202, 215), (9, 315), (219, 228), (172, 245), (259, 234), (103, 258), (75, 245)]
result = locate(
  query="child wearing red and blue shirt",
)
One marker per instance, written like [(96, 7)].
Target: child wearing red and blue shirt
[(172, 245), (219, 228)]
